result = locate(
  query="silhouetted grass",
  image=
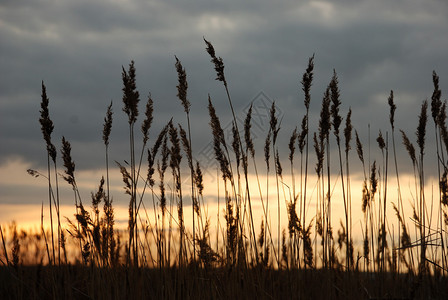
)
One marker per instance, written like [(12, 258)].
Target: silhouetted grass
[(158, 257)]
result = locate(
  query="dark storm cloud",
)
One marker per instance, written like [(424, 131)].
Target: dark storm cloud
[(78, 48)]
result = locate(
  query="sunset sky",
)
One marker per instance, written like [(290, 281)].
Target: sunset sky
[(78, 49)]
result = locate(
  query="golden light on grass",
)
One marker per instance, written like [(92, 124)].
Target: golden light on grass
[(310, 217)]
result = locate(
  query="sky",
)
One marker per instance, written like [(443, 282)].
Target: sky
[(78, 49)]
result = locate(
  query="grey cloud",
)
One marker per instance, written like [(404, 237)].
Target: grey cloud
[(78, 48)]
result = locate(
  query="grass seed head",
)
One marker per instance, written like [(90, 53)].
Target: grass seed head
[(261, 234), (443, 184), (348, 131), (365, 197), (96, 197), (441, 120), (159, 141), (335, 95), (107, 124), (218, 141), (409, 147), (421, 129), (273, 123), (307, 81), (47, 124), (247, 135), (198, 179), (186, 145), (126, 178), (151, 169), (278, 165), (148, 119), (436, 103), (130, 93), (359, 148), (320, 155), (301, 138), (324, 121), (182, 87), (219, 64), (267, 149), (380, 141), (175, 155), (292, 144), (366, 246), (308, 245), (373, 181), (236, 144), (68, 162), (393, 107)]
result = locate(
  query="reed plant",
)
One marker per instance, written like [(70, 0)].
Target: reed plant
[(306, 252)]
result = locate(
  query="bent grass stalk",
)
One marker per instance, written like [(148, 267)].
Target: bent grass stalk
[(219, 67)]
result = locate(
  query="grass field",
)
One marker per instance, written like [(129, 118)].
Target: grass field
[(400, 252)]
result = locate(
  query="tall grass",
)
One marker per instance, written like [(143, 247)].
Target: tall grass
[(313, 248)]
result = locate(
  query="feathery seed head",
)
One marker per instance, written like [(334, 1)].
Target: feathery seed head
[(100, 194), (366, 246), (292, 144), (186, 145), (303, 133), (126, 178), (373, 181), (359, 147), (218, 140), (441, 117), (261, 235), (152, 154), (393, 107), (294, 222), (165, 153), (409, 147), (380, 141), (273, 123), (217, 131), (320, 155), (335, 94), (247, 136), (436, 103), (160, 139), (348, 131), (441, 120), (267, 149), (236, 144), (219, 65), (278, 165), (107, 125), (198, 179), (176, 157), (421, 129), (162, 168), (148, 119), (47, 124), (324, 121), (365, 197), (151, 169), (443, 184), (307, 80), (183, 85), (308, 245), (130, 93), (68, 163), (162, 189)]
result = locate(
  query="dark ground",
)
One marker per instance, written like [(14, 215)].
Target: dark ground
[(79, 282)]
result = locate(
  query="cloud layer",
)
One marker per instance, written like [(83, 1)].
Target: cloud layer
[(79, 47)]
